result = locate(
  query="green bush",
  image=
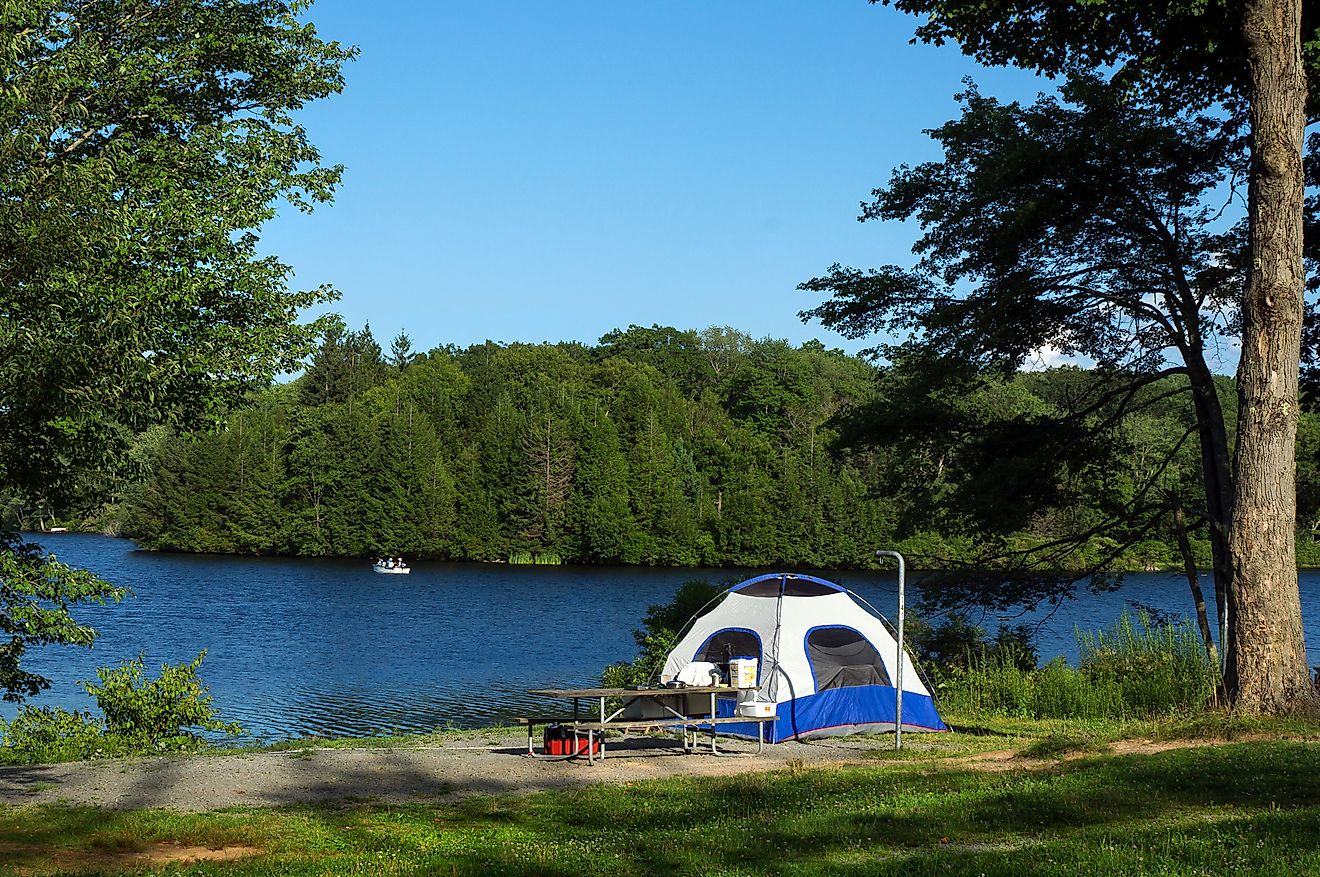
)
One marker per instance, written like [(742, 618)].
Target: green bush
[(1062, 692), (157, 714), (41, 735), (988, 684), (140, 716)]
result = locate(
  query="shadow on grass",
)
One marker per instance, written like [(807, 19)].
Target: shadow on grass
[(1188, 808), (1246, 808), (978, 731)]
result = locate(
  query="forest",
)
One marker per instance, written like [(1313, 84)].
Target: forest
[(665, 447)]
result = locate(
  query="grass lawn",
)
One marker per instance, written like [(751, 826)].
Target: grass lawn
[(1248, 807)]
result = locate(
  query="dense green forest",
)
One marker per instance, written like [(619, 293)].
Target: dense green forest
[(655, 446)]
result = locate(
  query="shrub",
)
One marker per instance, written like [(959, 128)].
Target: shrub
[(141, 715), (989, 684), (951, 649), (41, 735), (1063, 692), (158, 714)]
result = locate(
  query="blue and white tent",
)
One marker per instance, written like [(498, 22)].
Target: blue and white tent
[(824, 661)]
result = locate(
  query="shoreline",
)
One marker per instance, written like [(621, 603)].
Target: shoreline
[(791, 568)]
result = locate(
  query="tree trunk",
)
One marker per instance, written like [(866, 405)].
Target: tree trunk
[(1267, 670), (1190, 570), (1215, 471)]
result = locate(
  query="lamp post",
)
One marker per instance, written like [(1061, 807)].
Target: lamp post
[(898, 690)]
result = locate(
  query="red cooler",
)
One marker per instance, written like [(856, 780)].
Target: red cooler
[(559, 740)]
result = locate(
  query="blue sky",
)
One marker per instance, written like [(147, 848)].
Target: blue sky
[(547, 172)]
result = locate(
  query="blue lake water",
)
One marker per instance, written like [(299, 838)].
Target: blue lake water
[(327, 647)]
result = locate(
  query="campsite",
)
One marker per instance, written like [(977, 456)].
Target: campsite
[(1178, 790), (879, 437)]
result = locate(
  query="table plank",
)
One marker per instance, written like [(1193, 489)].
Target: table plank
[(689, 722), (633, 692)]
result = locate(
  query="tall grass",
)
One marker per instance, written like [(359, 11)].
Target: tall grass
[(1135, 668), (1156, 668), (540, 558)]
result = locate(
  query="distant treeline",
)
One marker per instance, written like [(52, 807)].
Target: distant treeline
[(655, 446)]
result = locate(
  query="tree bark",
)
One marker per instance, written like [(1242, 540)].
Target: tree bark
[(1216, 463), (1267, 670), (1190, 570)]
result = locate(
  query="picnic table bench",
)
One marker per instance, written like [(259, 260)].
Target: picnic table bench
[(673, 703)]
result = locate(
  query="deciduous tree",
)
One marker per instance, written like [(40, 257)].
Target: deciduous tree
[(1248, 59), (1088, 224), (142, 145)]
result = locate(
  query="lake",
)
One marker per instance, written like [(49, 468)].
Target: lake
[(301, 647)]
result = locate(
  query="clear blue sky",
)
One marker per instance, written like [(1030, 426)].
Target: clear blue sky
[(533, 172)]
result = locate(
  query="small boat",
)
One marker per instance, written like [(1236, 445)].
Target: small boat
[(391, 567)]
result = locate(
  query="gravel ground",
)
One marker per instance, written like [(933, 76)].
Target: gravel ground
[(489, 762)]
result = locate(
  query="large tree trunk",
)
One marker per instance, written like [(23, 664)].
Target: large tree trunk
[(1267, 670)]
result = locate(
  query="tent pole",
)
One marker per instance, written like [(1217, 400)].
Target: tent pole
[(898, 690)]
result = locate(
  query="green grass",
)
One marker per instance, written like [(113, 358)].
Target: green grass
[(1241, 808), (1134, 668)]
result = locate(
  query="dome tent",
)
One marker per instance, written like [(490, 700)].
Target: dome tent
[(823, 660)]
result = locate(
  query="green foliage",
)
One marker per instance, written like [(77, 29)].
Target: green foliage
[(503, 453), (158, 714), (144, 146), (1187, 52), (591, 455), (36, 593), (662, 626), (540, 558), (1087, 222), (1133, 669), (1153, 666), (139, 715), (41, 735)]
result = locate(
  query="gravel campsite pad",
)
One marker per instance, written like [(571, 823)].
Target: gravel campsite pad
[(479, 763)]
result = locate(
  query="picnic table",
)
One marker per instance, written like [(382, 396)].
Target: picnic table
[(670, 708)]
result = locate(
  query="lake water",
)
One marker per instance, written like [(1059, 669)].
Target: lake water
[(327, 647)]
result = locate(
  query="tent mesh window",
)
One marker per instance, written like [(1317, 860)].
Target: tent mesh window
[(730, 644), (792, 588), (842, 658)]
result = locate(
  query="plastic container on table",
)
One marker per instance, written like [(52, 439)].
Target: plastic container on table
[(742, 672)]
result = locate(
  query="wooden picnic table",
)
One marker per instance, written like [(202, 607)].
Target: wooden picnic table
[(674, 713)]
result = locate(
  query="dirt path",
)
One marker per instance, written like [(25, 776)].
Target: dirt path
[(476, 764), (484, 763)]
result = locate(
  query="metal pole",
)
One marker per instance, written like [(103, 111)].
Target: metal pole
[(898, 690)]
